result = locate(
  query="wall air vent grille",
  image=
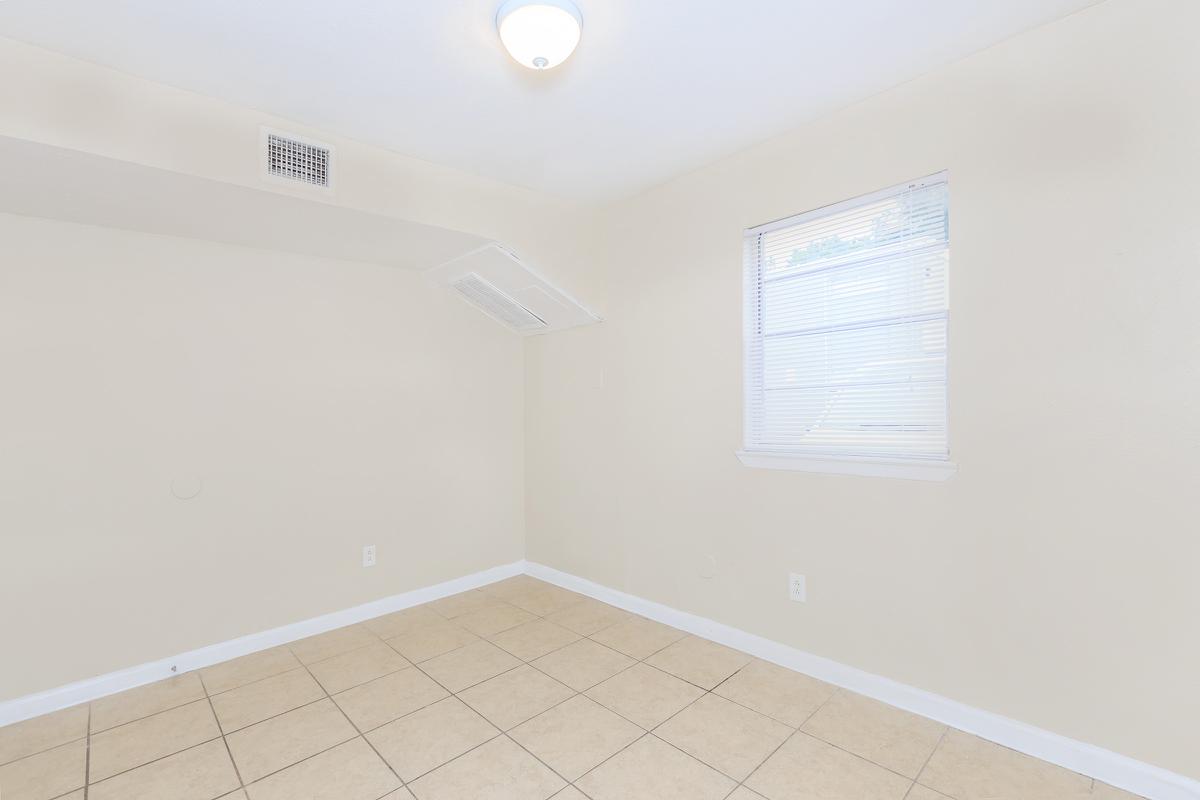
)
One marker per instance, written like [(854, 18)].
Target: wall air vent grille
[(297, 160), (497, 304)]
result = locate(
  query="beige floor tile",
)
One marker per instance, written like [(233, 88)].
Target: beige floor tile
[(780, 693), (638, 637), (644, 695), (145, 740), (201, 773), (575, 736), (498, 770), (808, 769), (247, 669), (509, 699), (491, 619), (431, 641), (589, 616), (545, 600), (583, 664), (254, 702), (75, 795), (385, 699), (651, 769), (534, 639), (919, 792), (399, 794), (334, 643), (458, 604), (240, 794), (426, 739), (742, 793), (42, 733), (45, 775), (969, 768), (356, 667), (570, 793), (890, 737), (350, 771), (401, 622), (724, 735), (510, 587), (469, 665), (1102, 791), (699, 661), (145, 701), (282, 741)]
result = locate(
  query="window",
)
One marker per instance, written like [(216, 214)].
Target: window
[(847, 318)]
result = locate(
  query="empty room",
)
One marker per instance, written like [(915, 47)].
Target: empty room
[(599, 400)]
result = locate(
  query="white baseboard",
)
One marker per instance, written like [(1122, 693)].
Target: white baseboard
[(1103, 765), (1095, 762), (94, 688)]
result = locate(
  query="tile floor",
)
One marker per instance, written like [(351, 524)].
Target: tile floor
[(518, 691)]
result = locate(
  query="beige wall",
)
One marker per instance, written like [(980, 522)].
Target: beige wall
[(326, 405), (1054, 579)]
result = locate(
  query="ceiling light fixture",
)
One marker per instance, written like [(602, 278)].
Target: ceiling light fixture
[(539, 34)]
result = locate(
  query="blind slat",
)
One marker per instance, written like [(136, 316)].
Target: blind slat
[(847, 324)]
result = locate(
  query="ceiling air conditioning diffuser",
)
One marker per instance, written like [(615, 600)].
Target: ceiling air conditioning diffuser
[(497, 304), (506, 289)]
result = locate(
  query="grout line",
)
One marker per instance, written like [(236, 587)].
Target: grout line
[(236, 770), (159, 758), (342, 711), (506, 733), (267, 719), (645, 732), (262, 778), (283, 671), (147, 716), (921, 771), (87, 754), (378, 641), (253, 682), (497, 727), (46, 750), (693, 702)]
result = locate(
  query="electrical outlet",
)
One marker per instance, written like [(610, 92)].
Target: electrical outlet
[(369, 555), (797, 587)]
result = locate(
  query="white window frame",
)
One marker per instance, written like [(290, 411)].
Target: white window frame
[(926, 469)]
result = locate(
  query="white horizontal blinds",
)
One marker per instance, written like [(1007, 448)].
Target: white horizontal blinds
[(846, 328)]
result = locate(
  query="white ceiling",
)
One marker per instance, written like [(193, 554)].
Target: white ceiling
[(656, 88)]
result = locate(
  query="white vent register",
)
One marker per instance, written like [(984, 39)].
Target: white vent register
[(506, 289), (292, 158)]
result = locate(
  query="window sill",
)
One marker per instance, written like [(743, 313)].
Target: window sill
[(906, 469)]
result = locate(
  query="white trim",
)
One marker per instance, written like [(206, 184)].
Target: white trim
[(906, 468), (90, 689), (1112, 768)]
